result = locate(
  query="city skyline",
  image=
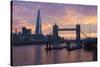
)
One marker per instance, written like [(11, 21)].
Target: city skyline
[(64, 15)]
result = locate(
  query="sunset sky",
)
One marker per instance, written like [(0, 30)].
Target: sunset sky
[(64, 15)]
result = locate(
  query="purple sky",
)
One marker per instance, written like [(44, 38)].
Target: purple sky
[(65, 15)]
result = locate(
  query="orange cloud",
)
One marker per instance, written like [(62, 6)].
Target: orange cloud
[(23, 23), (89, 20), (69, 18), (46, 28), (72, 17)]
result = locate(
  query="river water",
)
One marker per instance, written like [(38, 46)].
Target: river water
[(36, 54)]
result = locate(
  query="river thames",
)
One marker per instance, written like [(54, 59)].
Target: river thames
[(36, 54)]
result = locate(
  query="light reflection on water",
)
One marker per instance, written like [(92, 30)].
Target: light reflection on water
[(36, 54)]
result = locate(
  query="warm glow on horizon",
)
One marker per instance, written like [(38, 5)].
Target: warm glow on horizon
[(65, 16)]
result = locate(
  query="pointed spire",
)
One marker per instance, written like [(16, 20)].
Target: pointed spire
[(38, 24)]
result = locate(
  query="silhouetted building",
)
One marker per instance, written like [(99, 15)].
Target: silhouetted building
[(38, 36), (78, 32), (38, 24), (78, 39), (55, 30), (29, 31), (26, 31), (19, 33)]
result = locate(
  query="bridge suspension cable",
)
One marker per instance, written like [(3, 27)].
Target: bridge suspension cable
[(84, 34)]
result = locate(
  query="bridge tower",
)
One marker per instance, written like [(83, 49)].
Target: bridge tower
[(55, 30), (78, 39)]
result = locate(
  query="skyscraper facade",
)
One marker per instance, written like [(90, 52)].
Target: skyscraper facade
[(38, 24)]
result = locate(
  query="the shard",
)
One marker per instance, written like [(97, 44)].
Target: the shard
[(38, 24)]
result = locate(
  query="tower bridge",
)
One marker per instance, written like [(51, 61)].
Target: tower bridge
[(77, 29), (78, 41), (56, 29)]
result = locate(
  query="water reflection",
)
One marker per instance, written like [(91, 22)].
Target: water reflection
[(36, 54)]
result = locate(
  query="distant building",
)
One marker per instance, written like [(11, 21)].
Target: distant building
[(26, 31)]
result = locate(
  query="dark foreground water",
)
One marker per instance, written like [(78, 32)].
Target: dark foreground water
[(36, 54)]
